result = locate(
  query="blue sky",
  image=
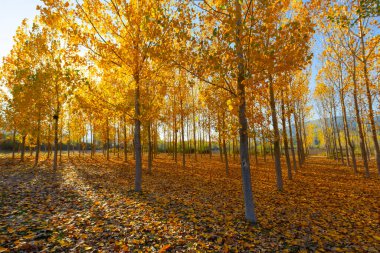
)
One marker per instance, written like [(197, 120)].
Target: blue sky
[(12, 12)]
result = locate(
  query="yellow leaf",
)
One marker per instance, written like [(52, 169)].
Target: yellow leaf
[(376, 237), (2, 249), (29, 236), (22, 229), (165, 248)]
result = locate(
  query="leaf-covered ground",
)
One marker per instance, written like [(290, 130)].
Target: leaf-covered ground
[(90, 206)]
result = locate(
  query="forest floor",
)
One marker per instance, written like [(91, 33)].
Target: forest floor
[(89, 206)]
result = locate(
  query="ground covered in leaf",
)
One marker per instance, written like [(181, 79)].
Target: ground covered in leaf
[(89, 206)]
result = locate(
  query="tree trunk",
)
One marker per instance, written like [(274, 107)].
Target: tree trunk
[(183, 136), (347, 130), (194, 127), (55, 161), (255, 145), (150, 150), (220, 139), (137, 139), (276, 141), (263, 145), (359, 121), (369, 96), (60, 144), (299, 144), (338, 133), (13, 144), (23, 148), (118, 139), (209, 136), (225, 148), (108, 140), (175, 138), (292, 143), (285, 137), (250, 214), (49, 145), (125, 139)]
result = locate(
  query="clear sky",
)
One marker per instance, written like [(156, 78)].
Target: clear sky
[(12, 12)]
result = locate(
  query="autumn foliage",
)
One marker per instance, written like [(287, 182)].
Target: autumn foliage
[(222, 126)]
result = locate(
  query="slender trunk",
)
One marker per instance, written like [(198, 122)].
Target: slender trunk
[(133, 141), (306, 149), (220, 139), (49, 145), (118, 139), (23, 148), (301, 137), (60, 144), (55, 161), (349, 141), (338, 133), (359, 121), (276, 141), (209, 135), (250, 214), (299, 144), (292, 144), (150, 151), (285, 137), (369, 97), (255, 145), (333, 132), (271, 150), (125, 139), (137, 139), (225, 148), (183, 136), (194, 127), (69, 133), (225, 156), (234, 149), (263, 148), (108, 140), (175, 138), (345, 129), (13, 144)]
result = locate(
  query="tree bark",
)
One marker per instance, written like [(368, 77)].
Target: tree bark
[(23, 148), (150, 149), (285, 138), (194, 127), (338, 133), (250, 214), (209, 136), (125, 139), (292, 143), (13, 144), (347, 130), (358, 120), (137, 139), (369, 97), (55, 161), (225, 148), (183, 136), (276, 141)]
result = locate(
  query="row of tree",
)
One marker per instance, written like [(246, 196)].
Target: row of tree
[(128, 74), (348, 88)]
